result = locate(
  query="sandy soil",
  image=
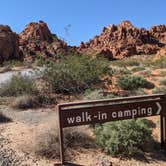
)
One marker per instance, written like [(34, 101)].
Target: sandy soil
[(20, 136), (19, 131)]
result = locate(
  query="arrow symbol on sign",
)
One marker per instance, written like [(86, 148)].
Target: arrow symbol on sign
[(159, 108)]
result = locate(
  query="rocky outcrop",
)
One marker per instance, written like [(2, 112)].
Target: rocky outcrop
[(161, 52), (159, 33), (116, 42), (36, 39), (8, 44)]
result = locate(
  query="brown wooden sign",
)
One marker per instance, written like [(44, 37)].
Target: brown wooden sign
[(100, 111)]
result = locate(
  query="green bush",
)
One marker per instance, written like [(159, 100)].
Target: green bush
[(74, 74), (137, 92), (123, 137), (126, 62), (131, 82), (158, 90), (121, 70), (18, 85), (97, 94), (39, 60), (138, 68), (12, 63), (160, 63)]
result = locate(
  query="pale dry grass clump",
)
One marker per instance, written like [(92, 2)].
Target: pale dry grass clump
[(25, 102)]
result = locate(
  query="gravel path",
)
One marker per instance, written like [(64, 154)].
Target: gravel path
[(29, 116), (8, 156)]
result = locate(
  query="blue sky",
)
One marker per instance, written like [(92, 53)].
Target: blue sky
[(80, 20)]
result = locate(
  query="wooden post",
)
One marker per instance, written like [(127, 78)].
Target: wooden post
[(161, 131), (163, 123), (61, 139)]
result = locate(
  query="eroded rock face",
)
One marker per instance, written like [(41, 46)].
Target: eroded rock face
[(124, 40), (8, 44), (36, 31), (161, 52), (114, 42), (36, 39), (159, 33)]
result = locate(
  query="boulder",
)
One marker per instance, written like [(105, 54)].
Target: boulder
[(159, 33), (37, 40), (9, 48)]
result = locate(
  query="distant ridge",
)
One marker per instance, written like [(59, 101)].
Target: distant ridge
[(114, 42)]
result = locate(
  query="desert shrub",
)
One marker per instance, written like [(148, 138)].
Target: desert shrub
[(138, 68), (39, 60), (137, 92), (32, 101), (163, 73), (146, 73), (122, 137), (121, 70), (159, 63), (5, 69), (12, 63), (25, 102), (152, 62), (74, 74), (131, 82), (161, 89), (163, 82), (18, 85), (97, 94), (126, 62)]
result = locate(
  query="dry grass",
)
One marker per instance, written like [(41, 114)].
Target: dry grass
[(25, 102), (163, 82), (46, 142)]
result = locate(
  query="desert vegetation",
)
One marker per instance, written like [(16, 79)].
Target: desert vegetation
[(18, 85), (131, 82), (74, 74), (123, 138), (83, 77)]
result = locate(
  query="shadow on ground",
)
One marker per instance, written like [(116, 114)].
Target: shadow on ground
[(153, 152), (4, 119), (68, 164)]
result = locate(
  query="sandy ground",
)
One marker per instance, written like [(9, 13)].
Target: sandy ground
[(19, 136), (19, 131)]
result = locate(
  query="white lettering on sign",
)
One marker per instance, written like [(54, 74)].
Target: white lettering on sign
[(133, 112), (85, 117)]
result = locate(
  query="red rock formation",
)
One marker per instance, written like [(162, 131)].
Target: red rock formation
[(124, 40), (37, 39), (114, 42), (161, 52), (159, 33), (8, 44)]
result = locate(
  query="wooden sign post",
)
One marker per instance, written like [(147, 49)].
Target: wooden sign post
[(100, 111)]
